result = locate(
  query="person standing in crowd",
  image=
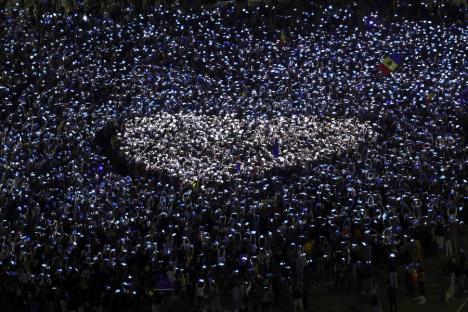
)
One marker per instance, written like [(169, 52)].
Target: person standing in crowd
[(421, 276), (393, 269), (452, 269), (413, 280), (200, 295), (266, 298), (237, 297), (375, 300), (246, 289), (297, 298), (461, 273), (392, 297)]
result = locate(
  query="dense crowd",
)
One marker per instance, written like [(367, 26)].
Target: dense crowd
[(76, 235), (211, 148)]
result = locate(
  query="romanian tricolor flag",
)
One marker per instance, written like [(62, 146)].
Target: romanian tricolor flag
[(390, 63)]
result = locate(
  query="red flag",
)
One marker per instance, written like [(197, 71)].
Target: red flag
[(384, 69)]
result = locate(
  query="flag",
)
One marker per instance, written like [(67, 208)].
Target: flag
[(275, 150), (390, 63)]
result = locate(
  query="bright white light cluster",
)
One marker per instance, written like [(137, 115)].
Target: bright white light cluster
[(205, 147)]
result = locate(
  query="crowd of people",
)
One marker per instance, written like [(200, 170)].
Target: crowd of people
[(76, 235), (211, 148)]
